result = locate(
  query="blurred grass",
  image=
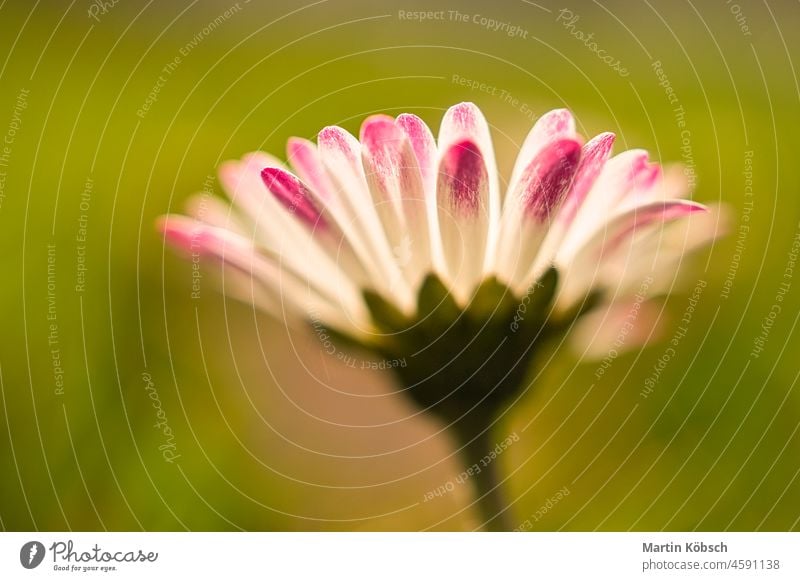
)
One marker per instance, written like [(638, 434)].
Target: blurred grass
[(715, 446)]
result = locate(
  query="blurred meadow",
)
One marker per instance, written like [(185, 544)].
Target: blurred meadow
[(129, 403)]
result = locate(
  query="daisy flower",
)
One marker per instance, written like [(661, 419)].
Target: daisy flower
[(408, 246)]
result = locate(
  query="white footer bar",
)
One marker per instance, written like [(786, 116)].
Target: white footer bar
[(401, 556)]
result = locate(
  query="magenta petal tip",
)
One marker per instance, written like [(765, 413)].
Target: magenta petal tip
[(292, 194), (463, 175)]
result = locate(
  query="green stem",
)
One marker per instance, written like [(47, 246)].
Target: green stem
[(484, 473)]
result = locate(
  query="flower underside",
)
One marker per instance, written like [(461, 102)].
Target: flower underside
[(464, 359)]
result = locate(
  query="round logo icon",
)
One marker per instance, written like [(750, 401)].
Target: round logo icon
[(31, 554)]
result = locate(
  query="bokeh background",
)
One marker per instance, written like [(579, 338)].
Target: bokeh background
[(268, 432)]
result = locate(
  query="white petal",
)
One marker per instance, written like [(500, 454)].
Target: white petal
[(463, 192), (273, 227), (465, 123), (552, 126), (593, 158), (341, 154), (424, 146), (597, 263), (398, 192), (323, 233), (280, 284), (540, 190), (619, 181)]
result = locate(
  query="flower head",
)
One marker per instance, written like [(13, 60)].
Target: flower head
[(408, 246), (385, 212)]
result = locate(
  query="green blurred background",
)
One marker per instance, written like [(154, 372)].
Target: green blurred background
[(267, 431)]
